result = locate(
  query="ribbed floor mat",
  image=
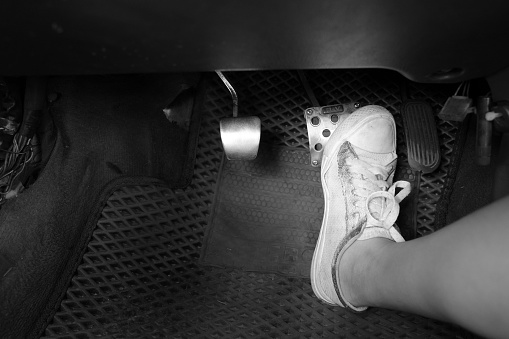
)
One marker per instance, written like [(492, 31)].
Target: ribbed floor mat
[(140, 276), (267, 213)]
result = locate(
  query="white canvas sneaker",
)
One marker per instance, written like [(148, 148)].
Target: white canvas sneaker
[(360, 200)]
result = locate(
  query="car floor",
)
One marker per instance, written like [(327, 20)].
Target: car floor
[(140, 275)]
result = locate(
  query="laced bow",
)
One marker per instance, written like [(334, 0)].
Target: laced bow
[(374, 195)]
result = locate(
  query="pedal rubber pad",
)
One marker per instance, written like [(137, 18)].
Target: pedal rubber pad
[(321, 122), (421, 136)]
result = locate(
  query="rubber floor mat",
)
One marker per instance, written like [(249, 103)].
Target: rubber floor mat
[(267, 213), (140, 276), (267, 216)]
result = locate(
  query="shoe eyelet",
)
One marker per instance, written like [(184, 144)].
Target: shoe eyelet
[(356, 216)]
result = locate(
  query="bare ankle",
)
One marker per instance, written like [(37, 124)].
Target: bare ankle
[(356, 270)]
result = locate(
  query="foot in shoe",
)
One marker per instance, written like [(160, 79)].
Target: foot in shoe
[(360, 200), (357, 263)]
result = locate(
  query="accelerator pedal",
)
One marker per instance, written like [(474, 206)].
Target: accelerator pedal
[(421, 136)]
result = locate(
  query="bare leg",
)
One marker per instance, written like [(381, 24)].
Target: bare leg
[(459, 274)]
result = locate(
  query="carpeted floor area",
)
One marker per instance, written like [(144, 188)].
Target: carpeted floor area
[(111, 132)]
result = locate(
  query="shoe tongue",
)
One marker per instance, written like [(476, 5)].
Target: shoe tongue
[(380, 159), (385, 160)]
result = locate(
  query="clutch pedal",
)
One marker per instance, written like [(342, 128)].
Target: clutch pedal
[(240, 135)]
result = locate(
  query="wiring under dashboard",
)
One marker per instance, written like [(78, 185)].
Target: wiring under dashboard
[(19, 154), (21, 151)]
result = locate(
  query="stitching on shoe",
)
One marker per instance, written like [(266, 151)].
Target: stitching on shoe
[(335, 261), (345, 176)]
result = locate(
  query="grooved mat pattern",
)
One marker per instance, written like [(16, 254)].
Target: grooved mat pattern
[(267, 214), (140, 276)]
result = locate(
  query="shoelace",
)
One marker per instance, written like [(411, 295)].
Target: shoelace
[(374, 196)]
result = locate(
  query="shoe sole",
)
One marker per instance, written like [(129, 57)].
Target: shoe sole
[(336, 141)]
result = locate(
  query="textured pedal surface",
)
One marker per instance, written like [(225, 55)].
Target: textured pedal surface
[(140, 276), (434, 187), (267, 214), (321, 124), (421, 136)]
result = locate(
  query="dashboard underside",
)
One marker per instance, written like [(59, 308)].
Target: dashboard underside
[(427, 41)]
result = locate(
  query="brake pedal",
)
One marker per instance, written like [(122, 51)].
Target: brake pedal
[(421, 136), (321, 123)]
